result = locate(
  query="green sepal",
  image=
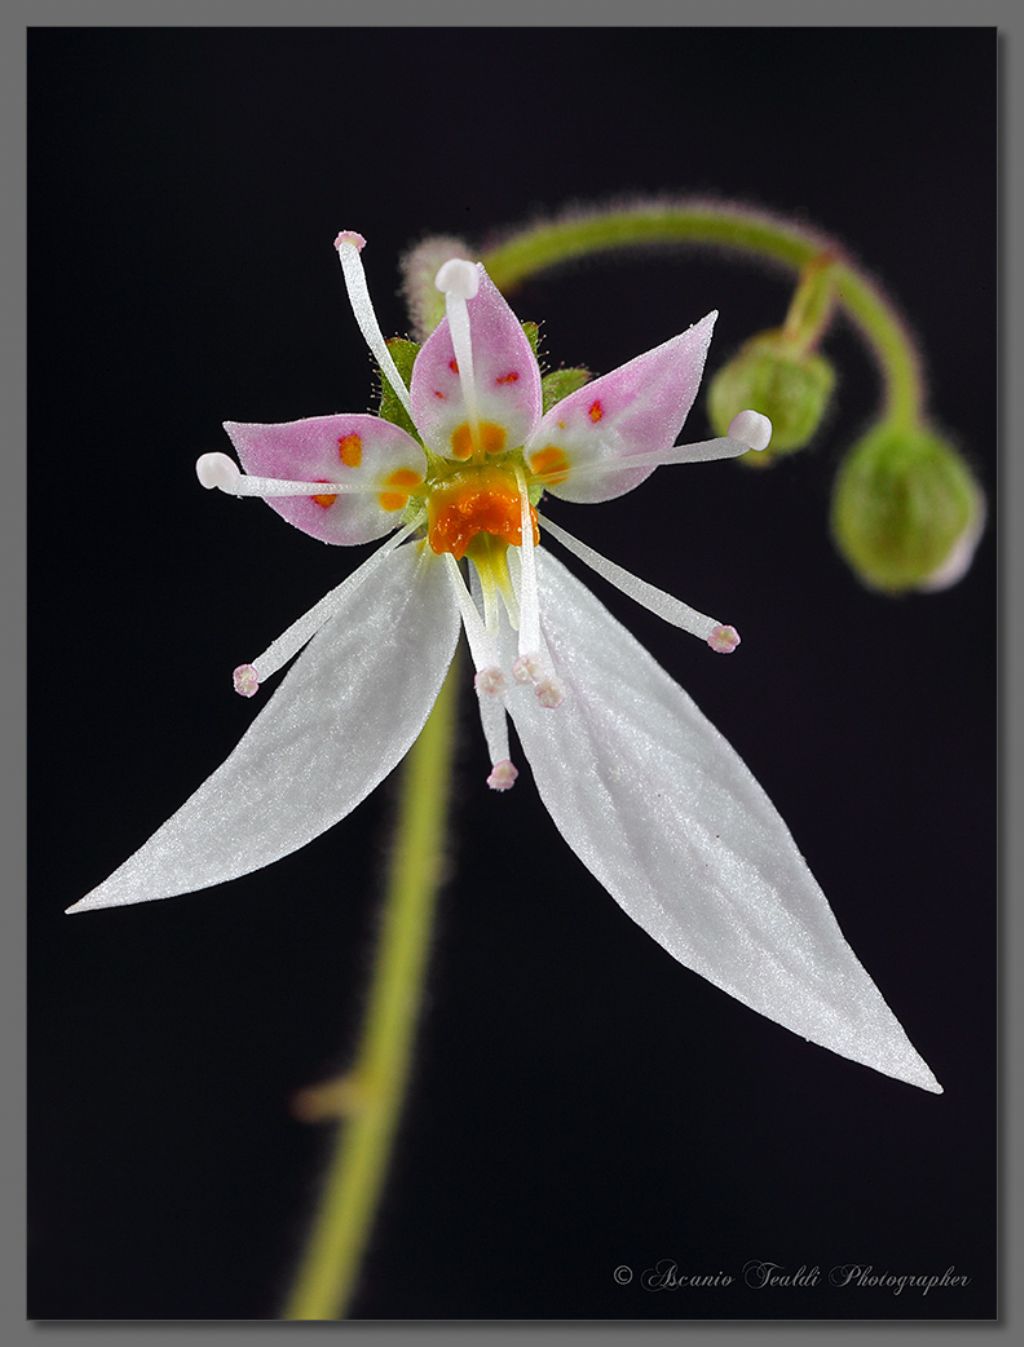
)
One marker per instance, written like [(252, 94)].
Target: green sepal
[(403, 353), (560, 383), (532, 334)]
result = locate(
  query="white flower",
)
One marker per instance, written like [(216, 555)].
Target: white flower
[(647, 793)]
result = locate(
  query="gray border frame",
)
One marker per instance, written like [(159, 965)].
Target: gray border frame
[(20, 15)]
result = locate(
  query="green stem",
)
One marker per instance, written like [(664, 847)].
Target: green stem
[(739, 229), (327, 1273)]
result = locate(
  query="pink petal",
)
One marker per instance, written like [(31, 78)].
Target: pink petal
[(349, 448), (638, 408), (506, 375)]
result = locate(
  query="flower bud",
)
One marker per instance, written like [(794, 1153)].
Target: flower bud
[(906, 512), (791, 387)]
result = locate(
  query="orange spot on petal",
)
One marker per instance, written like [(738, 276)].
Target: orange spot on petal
[(512, 377), (400, 478), (350, 450), (551, 463), (596, 412), (491, 440), (492, 437), (462, 441)]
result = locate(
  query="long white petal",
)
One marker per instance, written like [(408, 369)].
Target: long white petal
[(345, 714), (667, 816)]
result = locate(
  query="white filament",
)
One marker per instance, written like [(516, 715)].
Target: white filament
[(483, 649), (459, 280), (218, 470), (362, 307), (529, 599), (511, 605), (494, 723), (482, 642), (655, 600), (279, 652), (705, 451), (533, 664)]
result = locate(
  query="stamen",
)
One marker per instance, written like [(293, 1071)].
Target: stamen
[(751, 428), (459, 281), (530, 666), (549, 692), (349, 245), (248, 677), (511, 606), (491, 610), (744, 435), (246, 680), (494, 723), (482, 643), (503, 777), (527, 669), (719, 637), (489, 681), (458, 278), (218, 470), (529, 602), (724, 640)]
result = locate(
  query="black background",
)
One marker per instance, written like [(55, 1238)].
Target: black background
[(579, 1101)]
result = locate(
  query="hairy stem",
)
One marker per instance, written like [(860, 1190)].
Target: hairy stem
[(736, 228), (326, 1276)]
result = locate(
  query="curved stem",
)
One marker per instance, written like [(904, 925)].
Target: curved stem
[(737, 228), (377, 1082)]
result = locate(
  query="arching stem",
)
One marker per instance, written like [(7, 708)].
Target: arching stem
[(735, 228)]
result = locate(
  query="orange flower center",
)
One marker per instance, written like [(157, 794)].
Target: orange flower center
[(481, 500)]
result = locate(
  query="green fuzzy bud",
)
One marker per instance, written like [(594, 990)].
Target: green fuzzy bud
[(792, 388), (906, 512)]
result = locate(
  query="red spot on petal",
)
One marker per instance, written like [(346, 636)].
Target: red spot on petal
[(439, 394), (453, 365), (596, 412), (512, 377)]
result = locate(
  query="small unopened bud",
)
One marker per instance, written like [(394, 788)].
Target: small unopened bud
[(906, 512), (791, 387)]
